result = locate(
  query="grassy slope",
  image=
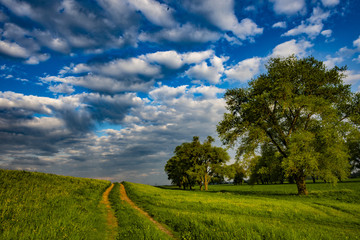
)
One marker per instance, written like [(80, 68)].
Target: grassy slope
[(46, 206), (132, 225), (255, 212)]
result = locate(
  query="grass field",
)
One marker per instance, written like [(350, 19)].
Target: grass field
[(255, 212), (132, 225), (46, 206)]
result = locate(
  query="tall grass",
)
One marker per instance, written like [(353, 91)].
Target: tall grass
[(45, 206), (255, 212), (132, 225)]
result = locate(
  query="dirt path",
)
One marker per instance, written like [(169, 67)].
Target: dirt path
[(110, 218), (123, 196)]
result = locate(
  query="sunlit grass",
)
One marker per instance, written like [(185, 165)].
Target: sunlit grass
[(255, 212), (46, 206), (132, 225)]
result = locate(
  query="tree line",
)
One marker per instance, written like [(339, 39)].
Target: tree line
[(298, 120)]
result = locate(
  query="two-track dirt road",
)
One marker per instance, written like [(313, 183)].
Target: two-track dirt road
[(111, 219)]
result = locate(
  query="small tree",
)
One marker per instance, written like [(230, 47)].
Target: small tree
[(303, 109), (198, 162), (239, 173)]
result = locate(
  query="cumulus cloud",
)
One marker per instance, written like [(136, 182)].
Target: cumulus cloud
[(61, 88), (330, 3), (279, 25), (137, 73), (63, 145), (244, 70), (312, 26), (35, 59), (175, 60), (186, 33), (13, 50), (155, 12), (102, 83), (221, 14), (356, 43), (332, 61), (211, 73), (285, 49), (352, 77), (327, 33), (288, 7)]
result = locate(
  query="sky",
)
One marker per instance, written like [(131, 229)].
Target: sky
[(108, 88)]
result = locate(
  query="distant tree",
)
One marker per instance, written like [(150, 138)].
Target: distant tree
[(302, 108), (176, 171), (196, 162), (236, 172), (353, 142), (267, 167)]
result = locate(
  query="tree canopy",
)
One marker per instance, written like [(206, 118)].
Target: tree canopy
[(196, 162), (303, 111)]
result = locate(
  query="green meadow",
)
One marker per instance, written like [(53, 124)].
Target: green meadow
[(255, 212), (47, 206), (132, 225)]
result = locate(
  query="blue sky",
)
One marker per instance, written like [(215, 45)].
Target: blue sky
[(107, 89)]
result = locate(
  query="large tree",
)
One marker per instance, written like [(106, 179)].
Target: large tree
[(303, 109), (196, 162)]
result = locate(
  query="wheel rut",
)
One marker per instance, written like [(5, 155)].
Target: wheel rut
[(124, 197), (111, 220)]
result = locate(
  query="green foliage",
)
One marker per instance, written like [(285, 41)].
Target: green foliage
[(196, 162), (45, 206), (267, 167), (303, 109), (353, 142), (132, 225), (255, 212)]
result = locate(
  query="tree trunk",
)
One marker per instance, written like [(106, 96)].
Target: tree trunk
[(301, 185), (206, 182)]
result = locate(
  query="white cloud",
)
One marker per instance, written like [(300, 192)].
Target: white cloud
[(210, 73), (330, 3), (185, 33), (356, 43), (196, 57), (331, 62), (165, 93), (13, 50), (279, 25), (327, 33), (357, 59), (312, 26), (35, 59), (207, 92), (244, 70), (101, 83), (55, 43), (288, 7), (221, 14), (170, 59), (175, 60), (352, 77), (311, 30), (62, 88), (131, 66), (19, 8), (285, 49), (155, 12)]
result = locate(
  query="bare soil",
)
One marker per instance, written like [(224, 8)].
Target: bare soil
[(110, 216)]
